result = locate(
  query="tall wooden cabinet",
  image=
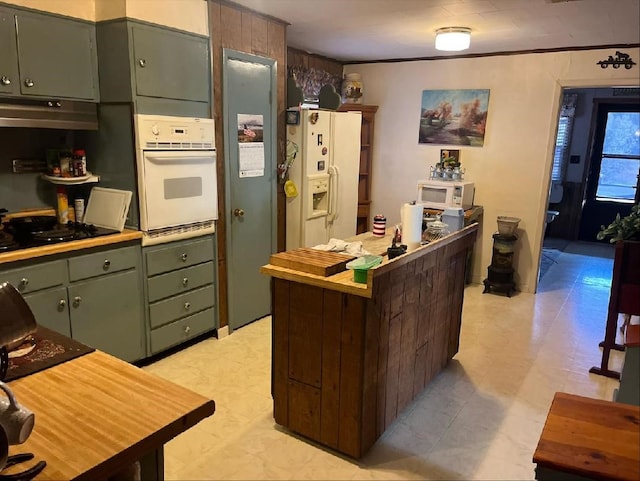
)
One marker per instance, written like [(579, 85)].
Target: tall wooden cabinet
[(363, 223)]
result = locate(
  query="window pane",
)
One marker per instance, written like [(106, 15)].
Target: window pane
[(618, 179), (622, 134), (562, 143)]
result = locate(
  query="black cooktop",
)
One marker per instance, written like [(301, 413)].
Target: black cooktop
[(13, 239)]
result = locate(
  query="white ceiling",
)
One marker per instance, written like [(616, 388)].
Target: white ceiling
[(352, 30)]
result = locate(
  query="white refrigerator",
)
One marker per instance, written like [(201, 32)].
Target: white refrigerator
[(325, 172)]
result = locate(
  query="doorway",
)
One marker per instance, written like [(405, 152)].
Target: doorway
[(249, 103), (614, 168)]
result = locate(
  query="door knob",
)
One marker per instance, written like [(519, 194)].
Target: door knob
[(61, 304), (238, 212), (142, 62), (76, 301), (28, 83), (5, 80)]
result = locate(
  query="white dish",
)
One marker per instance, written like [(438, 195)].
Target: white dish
[(67, 180)]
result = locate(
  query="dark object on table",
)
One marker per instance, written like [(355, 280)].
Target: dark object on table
[(396, 250), (16, 323), (27, 474)]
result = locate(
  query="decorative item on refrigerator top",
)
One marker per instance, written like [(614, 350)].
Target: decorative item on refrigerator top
[(352, 89)]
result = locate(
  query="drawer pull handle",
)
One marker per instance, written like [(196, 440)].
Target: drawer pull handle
[(107, 264), (185, 281), (187, 306), (187, 330), (5, 80), (184, 257), (76, 301), (24, 282), (28, 82), (62, 304), (142, 62)]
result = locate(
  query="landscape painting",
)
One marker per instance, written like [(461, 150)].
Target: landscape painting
[(453, 117)]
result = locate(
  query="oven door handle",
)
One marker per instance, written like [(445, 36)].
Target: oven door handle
[(181, 157)]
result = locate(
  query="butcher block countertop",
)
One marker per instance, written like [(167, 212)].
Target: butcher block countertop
[(96, 415), (590, 438), (343, 281), (61, 247)]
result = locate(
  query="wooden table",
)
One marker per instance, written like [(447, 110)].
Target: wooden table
[(96, 415), (587, 438)]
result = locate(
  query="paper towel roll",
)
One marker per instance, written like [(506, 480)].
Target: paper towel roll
[(411, 225)]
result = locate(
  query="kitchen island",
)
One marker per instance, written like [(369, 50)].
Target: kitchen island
[(96, 415), (349, 357)]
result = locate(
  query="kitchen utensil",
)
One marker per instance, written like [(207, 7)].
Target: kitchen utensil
[(16, 420), (107, 208), (311, 261), (361, 265)]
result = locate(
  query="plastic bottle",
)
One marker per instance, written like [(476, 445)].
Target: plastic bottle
[(79, 163), (63, 205)]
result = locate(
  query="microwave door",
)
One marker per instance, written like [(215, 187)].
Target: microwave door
[(179, 188), (434, 195)]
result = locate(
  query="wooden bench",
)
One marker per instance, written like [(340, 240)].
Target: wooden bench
[(587, 438)]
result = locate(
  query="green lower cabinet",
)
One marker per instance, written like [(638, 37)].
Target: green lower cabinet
[(106, 313), (50, 309)]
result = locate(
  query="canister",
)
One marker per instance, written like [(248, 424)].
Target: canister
[(454, 218), (379, 225)]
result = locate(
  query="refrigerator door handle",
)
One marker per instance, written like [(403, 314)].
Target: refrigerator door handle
[(334, 179)]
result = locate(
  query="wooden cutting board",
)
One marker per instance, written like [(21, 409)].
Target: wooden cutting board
[(312, 261)]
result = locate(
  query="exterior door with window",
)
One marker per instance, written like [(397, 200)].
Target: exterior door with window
[(612, 184)]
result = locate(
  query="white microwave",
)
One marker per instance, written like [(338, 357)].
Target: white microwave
[(440, 194)]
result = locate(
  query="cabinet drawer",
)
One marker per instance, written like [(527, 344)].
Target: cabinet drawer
[(91, 265), (182, 330), (179, 255), (163, 312), (39, 276), (177, 282)]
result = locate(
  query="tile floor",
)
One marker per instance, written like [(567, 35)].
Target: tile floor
[(479, 419)]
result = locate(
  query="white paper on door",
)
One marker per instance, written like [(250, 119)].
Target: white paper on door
[(250, 145)]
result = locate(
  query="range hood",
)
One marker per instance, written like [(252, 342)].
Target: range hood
[(48, 114)]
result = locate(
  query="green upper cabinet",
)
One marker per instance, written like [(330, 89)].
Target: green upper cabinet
[(48, 56), (57, 57), (170, 65), (161, 70), (9, 80)]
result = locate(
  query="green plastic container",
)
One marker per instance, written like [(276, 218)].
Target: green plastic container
[(361, 265)]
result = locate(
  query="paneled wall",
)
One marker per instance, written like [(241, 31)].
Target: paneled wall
[(237, 28)]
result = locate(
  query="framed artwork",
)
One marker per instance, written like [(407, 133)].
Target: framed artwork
[(453, 117)]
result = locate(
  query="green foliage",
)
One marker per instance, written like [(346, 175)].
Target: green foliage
[(623, 228)]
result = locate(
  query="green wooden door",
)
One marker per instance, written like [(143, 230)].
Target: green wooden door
[(170, 64), (8, 54), (57, 57), (50, 309), (106, 313)]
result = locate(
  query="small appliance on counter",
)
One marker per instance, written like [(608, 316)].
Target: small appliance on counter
[(440, 194)]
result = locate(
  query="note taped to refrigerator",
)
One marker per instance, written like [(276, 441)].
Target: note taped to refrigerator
[(250, 145)]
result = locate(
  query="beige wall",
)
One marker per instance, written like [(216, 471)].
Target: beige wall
[(188, 15), (512, 170)]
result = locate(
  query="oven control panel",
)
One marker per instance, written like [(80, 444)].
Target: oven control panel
[(174, 133)]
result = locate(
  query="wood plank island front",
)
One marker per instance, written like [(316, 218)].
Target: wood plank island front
[(347, 357)]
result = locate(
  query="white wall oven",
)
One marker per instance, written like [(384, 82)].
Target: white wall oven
[(177, 186)]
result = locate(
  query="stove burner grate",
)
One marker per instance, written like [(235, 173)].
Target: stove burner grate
[(54, 235)]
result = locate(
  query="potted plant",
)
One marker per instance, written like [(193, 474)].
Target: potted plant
[(623, 228)]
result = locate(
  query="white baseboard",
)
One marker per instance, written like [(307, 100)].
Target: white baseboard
[(223, 332)]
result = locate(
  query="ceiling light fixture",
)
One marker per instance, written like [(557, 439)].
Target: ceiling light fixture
[(453, 39)]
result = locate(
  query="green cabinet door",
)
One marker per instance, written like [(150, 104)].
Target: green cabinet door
[(169, 64), (50, 309), (106, 313), (8, 55), (57, 57)]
